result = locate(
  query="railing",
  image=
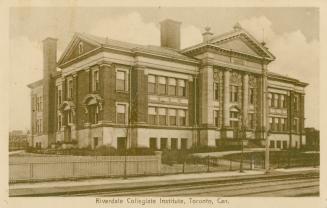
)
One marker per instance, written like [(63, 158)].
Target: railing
[(50, 168)]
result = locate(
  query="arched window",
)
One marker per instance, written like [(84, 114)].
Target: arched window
[(93, 106), (80, 48)]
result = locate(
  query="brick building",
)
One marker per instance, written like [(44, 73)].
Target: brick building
[(103, 91)]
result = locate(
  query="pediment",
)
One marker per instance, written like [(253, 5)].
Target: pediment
[(239, 45), (76, 48)]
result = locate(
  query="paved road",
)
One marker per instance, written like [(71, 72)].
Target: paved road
[(290, 185)]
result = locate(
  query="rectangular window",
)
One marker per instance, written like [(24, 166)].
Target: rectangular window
[(251, 96), (275, 101), (284, 124), (121, 113), (217, 142), (295, 103), (41, 103), (153, 143), (183, 144), (251, 120), (278, 144), (162, 116), (283, 101), (59, 122), (271, 123), (182, 117), (272, 144), (296, 124), (95, 80), (152, 115), (216, 90), (172, 87), (234, 93), (121, 143), (216, 117), (285, 145), (59, 94), (172, 117), (162, 85), (151, 84), (181, 88), (69, 89), (121, 81), (279, 124), (174, 143), (163, 143), (270, 100)]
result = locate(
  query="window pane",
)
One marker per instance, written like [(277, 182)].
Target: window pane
[(163, 143), (162, 119), (120, 75), (174, 143), (153, 143), (120, 108), (171, 90), (216, 91), (172, 120), (120, 85), (151, 79), (162, 80), (152, 88), (152, 119), (162, 89)]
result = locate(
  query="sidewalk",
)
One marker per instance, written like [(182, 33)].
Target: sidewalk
[(59, 187)]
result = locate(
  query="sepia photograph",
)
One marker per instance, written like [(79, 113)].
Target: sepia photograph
[(176, 105)]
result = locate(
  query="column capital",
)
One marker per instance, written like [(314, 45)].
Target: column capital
[(104, 63)]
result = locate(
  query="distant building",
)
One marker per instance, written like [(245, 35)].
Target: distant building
[(313, 138), (167, 97), (18, 140)]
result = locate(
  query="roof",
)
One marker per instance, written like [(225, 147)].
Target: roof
[(286, 78), (35, 84), (129, 47), (216, 40)]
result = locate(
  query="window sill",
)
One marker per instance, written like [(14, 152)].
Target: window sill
[(122, 91)]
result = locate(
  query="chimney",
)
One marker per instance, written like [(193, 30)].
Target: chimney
[(170, 34), (49, 67), (207, 34), (49, 56)]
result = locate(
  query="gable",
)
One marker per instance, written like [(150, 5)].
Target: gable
[(238, 45), (74, 51)]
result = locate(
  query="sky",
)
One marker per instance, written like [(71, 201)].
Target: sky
[(291, 34)]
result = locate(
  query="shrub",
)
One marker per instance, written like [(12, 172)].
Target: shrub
[(174, 156), (105, 150), (140, 151)]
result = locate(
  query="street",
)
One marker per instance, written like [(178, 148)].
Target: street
[(275, 186)]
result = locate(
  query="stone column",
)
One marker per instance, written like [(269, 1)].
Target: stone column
[(245, 98), (226, 97), (206, 96)]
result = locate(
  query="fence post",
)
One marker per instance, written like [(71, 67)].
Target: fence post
[(208, 163), (137, 167), (183, 170), (314, 160), (108, 170), (73, 164), (31, 171), (230, 165)]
